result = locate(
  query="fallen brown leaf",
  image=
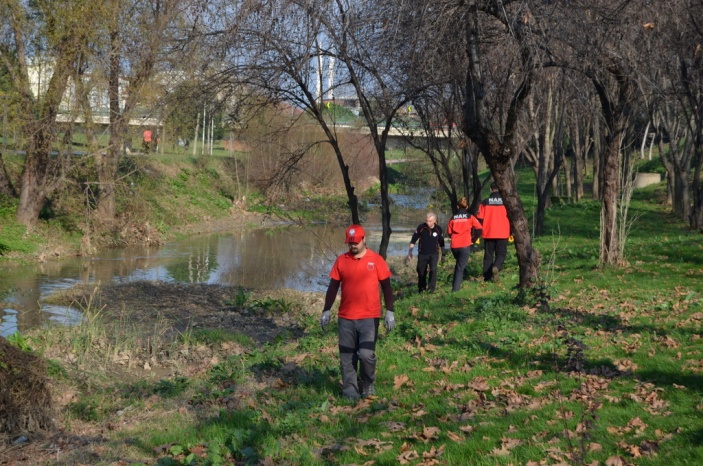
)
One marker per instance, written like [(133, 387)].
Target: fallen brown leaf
[(614, 461), (407, 457), (479, 384), (399, 381)]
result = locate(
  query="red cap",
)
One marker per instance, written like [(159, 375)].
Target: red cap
[(354, 234)]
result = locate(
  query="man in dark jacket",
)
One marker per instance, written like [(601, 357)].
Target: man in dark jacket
[(430, 243), (496, 231)]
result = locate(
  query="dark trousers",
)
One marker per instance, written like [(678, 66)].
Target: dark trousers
[(424, 262), (494, 256), (462, 258), (357, 352)]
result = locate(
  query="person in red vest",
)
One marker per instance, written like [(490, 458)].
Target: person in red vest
[(496, 231), (463, 229), (359, 272), (146, 140)]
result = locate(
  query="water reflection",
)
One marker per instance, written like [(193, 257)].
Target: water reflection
[(267, 258), (281, 257)]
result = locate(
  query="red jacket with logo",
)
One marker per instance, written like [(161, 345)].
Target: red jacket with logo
[(463, 229), (494, 217)]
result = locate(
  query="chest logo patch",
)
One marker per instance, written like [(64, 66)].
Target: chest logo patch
[(370, 266)]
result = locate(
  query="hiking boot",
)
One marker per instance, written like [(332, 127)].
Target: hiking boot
[(350, 393), (367, 390), (495, 272)]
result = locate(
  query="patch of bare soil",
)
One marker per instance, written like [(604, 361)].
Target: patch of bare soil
[(183, 306), (176, 308)]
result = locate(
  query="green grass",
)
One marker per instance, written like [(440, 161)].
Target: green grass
[(596, 364), (611, 368)]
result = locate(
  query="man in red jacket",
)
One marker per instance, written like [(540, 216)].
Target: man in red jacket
[(496, 231), (359, 272)]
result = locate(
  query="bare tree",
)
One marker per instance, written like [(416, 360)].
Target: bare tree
[(601, 38), (137, 33), (543, 149), (509, 25), (274, 48), (691, 77), (40, 36), (581, 142), (381, 48), (674, 81), (453, 157)]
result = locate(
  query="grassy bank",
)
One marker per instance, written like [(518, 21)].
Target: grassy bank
[(597, 366), (158, 197)]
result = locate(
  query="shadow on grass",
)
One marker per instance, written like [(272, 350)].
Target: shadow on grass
[(293, 375), (669, 378), (609, 323)]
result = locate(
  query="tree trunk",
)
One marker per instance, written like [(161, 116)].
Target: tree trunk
[(477, 186), (609, 210), (32, 197), (597, 161), (615, 112), (645, 139), (385, 200), (466, 173), (678, 163), (682, 200), (107, 166), (352, 199), (567, 179), (578, 158), (696, 217), (195, 136), (38, 179), (6, 186), (666, 161)]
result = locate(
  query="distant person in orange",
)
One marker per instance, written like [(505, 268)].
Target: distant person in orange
[(464, 229), (146, 141), (496, 231), (359, 272)]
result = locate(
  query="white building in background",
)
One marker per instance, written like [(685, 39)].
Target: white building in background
[(70, 110)]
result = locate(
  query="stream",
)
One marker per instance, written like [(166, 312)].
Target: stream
[(277, 257)]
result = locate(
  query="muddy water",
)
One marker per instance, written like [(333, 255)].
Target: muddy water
[(267, 258)]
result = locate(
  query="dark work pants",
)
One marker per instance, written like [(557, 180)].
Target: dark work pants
[(424, 262), (357, 349), (496, 250), (462, 258)]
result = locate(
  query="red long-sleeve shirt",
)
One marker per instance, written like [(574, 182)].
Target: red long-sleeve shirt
[(494, 217), (463, 228)]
